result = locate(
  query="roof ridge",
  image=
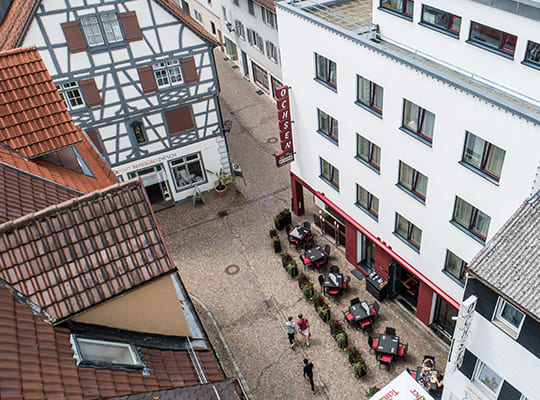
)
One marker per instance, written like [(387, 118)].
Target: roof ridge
[(17, 50)]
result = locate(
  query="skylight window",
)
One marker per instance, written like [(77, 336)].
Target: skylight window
[(105, 353)]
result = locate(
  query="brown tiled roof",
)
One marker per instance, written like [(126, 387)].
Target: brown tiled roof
[(11, 28), (77, 254), (36, 362), (23, 193), (182, 16), (267, 3)]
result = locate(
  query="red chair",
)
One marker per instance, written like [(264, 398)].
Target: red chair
[(365, 324), (402, 350), (373, 343), (320, 263), (305, 260), (385, 359), (333, 291), (346, 281), (349, 318)]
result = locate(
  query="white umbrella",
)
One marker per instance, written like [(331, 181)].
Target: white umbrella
[(403, 387)]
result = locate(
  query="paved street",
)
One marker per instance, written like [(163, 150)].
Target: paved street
[(222, 250)]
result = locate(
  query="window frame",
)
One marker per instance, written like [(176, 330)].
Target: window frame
[(71, 87), (499, 49), (372, 148), (368, 207), (415, 175), (268, 17), (443, 29), (101, 27), (333, 173), (402, 13), (184, 162), (461, 278), (256, 69), (325, 77), (82, 361), (410, 227), (370, 103), (420, 121), (486, 152), (331, 123), (272, 52), (138, 135), (164, 69), (239, 29), (478, 368), (526, 60), (251, 7), (507, 326), (471, 221)]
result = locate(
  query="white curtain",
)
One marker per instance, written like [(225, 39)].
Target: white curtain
[(364, 92), (377, 97), (410, 116), (332, 74), (421, 184), (427, 124), (406, 175), (494, 160), (462, 212), (416, 235), (474, 147), (481, 223)]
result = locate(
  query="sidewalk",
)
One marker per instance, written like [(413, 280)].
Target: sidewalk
[(222, 251)]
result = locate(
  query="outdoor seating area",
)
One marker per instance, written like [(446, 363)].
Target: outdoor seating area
[(388, 347), (429, 377)]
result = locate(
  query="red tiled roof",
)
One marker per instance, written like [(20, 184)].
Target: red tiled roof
[(11, 28), (34, 117), (75, 255), (36, 362), (267, 3)]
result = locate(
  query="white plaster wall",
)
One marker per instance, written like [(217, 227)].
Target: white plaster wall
[(455, 112), (509, 73), (503, 355)]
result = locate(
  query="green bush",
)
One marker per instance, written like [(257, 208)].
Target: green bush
[(359, 368), (341, 340), (324, 312), (308, 292), (292, 269), (371, 391)]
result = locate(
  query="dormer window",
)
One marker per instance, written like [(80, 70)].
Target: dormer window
[(91, 352)]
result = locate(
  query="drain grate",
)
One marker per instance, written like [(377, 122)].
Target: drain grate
[(222, 214), (272, 140), (270, 303), (269, 203), (232, 269)]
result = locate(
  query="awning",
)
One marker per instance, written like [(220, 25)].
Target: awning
[(153, 178), (404, 387)]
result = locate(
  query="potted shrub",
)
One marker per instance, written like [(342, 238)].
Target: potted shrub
[(273, 233), (341, 340), (335, 327), (371, 391), (353, 353), (324, 312), (223, 179), (318, 301), (283, 219), (302, 280), (286, 258), (308, 292), (276, 244), (292, 269), (360, 368)]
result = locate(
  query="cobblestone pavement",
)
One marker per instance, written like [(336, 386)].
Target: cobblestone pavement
[(222, 251)]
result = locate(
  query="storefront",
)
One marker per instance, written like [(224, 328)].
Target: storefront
[(260, 77)]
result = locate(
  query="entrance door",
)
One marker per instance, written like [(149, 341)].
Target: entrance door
[(408, 290), (245, 66), (367, 260), (154, 183), (394, 279), (443, 317)]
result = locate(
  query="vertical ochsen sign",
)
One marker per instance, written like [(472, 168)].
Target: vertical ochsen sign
[(286, 154), (461, 333)]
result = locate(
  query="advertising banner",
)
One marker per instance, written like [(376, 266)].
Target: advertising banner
[(286, 155)]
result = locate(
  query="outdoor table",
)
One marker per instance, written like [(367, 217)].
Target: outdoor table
[(333, 280), (361, 311), (388, 344), (429, 377), (299, 232), (315, 254)]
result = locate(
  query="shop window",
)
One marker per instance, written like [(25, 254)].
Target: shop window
[(329, 173), (402, 7), (486, 378), (408, 232), (412, 181), (471, 219), (441, 20), (187, 171), (484, 157), (167, 73), (492, 39), (105, 353), (328, 126), (369, 95), (325, 71), (444, 316), (367, 202), (418, 121), (275, 85), (260, 76), (508, 317), (532, 55), (455, 266), (368, 153), (138, 132)]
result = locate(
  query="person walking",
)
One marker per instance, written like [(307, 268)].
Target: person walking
[(303, 328), (308, 373), (291, 330)]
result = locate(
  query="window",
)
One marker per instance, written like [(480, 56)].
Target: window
[(239, 29), (368, 152), (260, 76), (412, 181), (213, 27), (470, 218), (369, 94), (268, 17), (71, 95), (328, 126), (255, 40), (236, 2), (271, 51), (367, 201), (325, 70), (483, 157), (510, 317), (329, 173), (105, 353), (138, 132), (102, 29), (197, 15), (251, 7), (408, 232), (532, 56), (404, 7), (418, 121), (443, 20), (455, 266), (487, 378), (499, 41), (167, 73), (187, 171)]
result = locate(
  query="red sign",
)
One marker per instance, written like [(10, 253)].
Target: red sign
[(285, 133)]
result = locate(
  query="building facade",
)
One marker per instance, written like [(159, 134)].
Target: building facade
[(401, 133), (206, 13), (139, 77), (495, 352), (250, 37)]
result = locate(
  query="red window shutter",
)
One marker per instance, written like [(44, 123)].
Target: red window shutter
[(146, 77), (74, 36), (93, 135), (130, 25), (90, 92), (179, 120), (190, 70)]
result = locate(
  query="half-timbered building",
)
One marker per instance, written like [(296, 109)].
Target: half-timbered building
[(139, 77)]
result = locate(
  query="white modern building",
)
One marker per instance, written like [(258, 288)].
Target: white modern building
[(250, 37), (416, 132), (496, 352)]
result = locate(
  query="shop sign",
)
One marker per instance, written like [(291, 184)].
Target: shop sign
[(461, 333), (285, 130), (144, 163)]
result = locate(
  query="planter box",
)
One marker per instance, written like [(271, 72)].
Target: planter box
[(277, 246), (282, 222)]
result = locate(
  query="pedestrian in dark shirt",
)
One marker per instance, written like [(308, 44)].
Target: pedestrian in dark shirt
[(308, 373)]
